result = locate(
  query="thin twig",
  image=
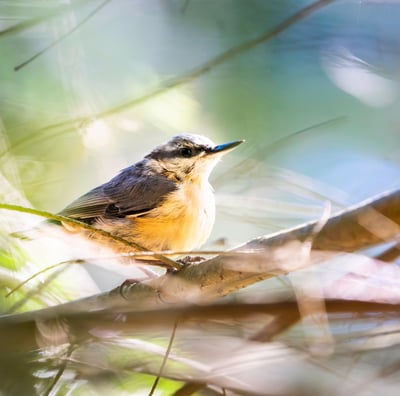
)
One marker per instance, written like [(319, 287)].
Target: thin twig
[(35, 137), (167, 352), (67, 220), (60, 371), (31, 293), (200, 70), (61, 38), (19, 27), (36, 274)]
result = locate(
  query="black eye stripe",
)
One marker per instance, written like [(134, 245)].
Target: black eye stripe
[(182, 151)]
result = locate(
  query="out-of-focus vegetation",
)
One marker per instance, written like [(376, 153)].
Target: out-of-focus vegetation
[(85, 91)]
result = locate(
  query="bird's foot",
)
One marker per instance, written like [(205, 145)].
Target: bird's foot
[(191, 260), (184, 262), (126, 284)]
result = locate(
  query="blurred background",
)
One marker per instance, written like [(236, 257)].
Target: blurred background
[(89, 87)]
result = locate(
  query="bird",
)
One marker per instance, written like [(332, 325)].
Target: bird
[(163, 202)]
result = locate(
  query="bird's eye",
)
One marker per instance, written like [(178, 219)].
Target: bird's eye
[(186, 152)]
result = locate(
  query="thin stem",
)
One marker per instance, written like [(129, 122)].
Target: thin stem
[(61, 38), (67, 220), (167, 352)]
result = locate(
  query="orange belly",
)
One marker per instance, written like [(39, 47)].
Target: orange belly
[(183, 222)]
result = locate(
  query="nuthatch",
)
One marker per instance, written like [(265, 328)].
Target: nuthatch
[(163, 202)]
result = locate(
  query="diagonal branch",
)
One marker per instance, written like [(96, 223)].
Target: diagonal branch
[(19, 27), (202, 69), (370, 222), (63, 37)]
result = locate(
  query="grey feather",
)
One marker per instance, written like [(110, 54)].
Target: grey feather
[(135, 191)]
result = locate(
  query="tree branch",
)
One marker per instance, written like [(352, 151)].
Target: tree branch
[(370, 222)]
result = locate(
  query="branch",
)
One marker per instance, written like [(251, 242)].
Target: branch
[(25, 332), (370, 222), (373, 221), (19, 27)]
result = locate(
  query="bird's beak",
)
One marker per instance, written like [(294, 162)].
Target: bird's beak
[(225, 147)]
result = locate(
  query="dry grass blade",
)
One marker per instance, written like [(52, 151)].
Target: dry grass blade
[(36, 274), (164, 361)]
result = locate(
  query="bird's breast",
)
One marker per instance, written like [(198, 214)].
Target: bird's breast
[(182, 222)]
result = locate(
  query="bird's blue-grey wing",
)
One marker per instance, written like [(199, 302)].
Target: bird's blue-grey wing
[(128, 194), (89, 206)]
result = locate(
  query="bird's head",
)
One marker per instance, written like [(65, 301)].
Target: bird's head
[(188, 157)]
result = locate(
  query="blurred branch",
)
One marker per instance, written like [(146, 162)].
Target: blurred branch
[(202, 69), (390, 254), (26, 331), (372, 221), (60, 371), (19, 27), (185, 6), (271, 147), (64, 36), (190, 388)]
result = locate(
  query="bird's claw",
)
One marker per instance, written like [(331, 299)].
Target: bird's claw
[(191, 260), (125, 284)]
